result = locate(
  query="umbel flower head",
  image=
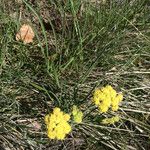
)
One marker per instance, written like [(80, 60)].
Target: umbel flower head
[(110, 120), (107, 97), (57, 124), (77, 114)]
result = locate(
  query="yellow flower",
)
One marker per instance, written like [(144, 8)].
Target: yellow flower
[(57, 125), (119, 97), (51, 134), (115, 107), (75, 110), (60, 136), (116, 101), (56, 111), (96, 100), (110, 120), (67, 127), (107, 97), (77, 114), (103, 108), (46, 119), (66, 117)]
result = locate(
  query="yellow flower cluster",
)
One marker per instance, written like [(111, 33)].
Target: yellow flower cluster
[(77, 114), (107, 97), (57, 124), (110, 120)]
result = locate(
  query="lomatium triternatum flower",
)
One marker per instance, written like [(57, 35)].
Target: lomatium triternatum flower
[(57, 124), (107, 97), (77, 114), (110, 120)]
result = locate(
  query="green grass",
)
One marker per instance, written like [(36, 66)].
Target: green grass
[(78, 47)]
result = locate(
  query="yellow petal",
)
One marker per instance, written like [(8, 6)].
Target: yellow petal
[(46, 119), (110, 120), (66, 117), (119, 97), (103, 108), (56, 110), (115, 108), (51, 135), (75, 110)]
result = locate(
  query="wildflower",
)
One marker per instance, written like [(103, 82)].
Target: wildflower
[(116, 101), (77, 114), (107, 97), (110, 120), (57, 124)]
